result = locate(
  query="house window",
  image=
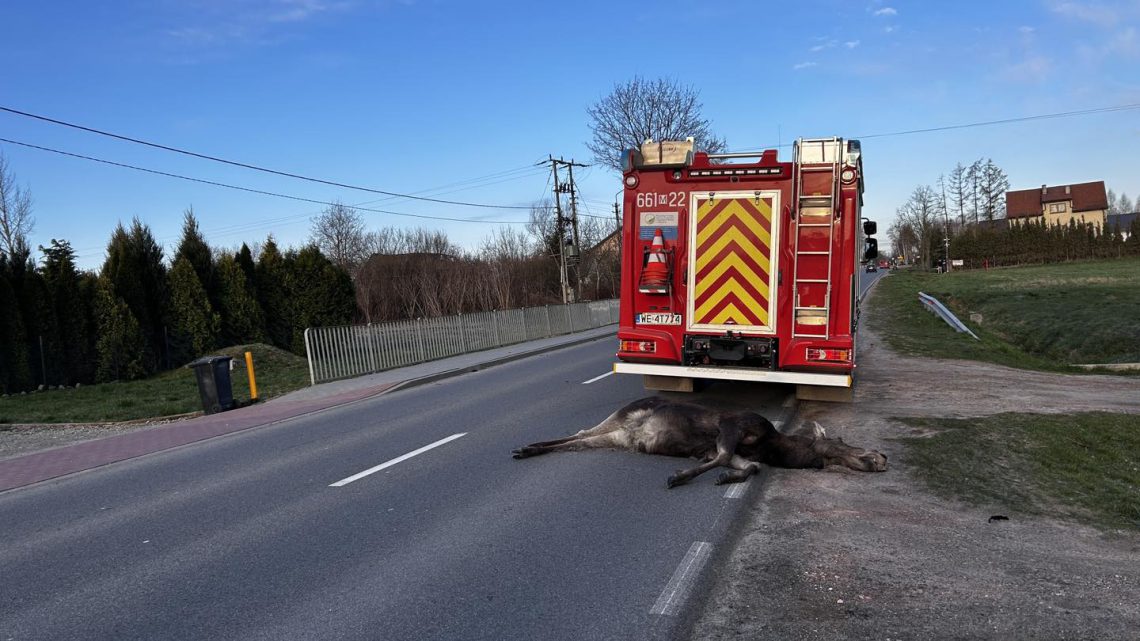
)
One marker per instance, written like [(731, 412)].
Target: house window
[(1057, 208)]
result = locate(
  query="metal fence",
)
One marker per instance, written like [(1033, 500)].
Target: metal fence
[(353, 350)]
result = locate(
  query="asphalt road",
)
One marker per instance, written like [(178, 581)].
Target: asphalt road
[(245, 537)]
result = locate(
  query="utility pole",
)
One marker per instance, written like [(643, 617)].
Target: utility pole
[(577, 246), (559, 189), (558, 225), (946, 219)]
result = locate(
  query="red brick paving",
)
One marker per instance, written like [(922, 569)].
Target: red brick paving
[(49, 464)]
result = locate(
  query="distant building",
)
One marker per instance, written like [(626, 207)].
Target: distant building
[(1083, 203), (1123, 222), (995, 224)]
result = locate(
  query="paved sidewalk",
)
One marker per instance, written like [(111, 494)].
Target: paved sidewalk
[(48, 464)]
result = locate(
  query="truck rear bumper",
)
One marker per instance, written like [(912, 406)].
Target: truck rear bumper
[(735, 374)]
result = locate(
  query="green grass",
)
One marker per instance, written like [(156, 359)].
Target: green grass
[(1082, 467), (167, 394), (1044, 317)]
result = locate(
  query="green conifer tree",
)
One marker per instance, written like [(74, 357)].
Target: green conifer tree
[(242, 319), (193, 248), (194, 326), (121, 346), (137, 275), (271, 275)]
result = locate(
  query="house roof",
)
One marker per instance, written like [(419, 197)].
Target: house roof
[(1027, 202), (1123, 222)]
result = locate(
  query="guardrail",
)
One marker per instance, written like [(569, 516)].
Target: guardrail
[(932, 305), (354, 350)]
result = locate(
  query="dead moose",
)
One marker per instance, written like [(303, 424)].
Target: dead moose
[(740, 441)]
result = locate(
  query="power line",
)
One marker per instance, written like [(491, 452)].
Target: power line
[(986, 123), (254, 167), (254, 191)]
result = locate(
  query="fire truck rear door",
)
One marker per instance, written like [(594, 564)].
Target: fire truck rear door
[(733, 261)]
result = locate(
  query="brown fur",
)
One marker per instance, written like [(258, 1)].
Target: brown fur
[(740, 441)]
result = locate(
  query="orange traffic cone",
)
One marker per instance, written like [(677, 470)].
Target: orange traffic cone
[(655, 275)]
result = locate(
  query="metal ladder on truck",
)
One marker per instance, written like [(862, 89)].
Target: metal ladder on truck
[(817, 165)]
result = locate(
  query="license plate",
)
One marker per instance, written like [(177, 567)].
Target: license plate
[(658, 319)]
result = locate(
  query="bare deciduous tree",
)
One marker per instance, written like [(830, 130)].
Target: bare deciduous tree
[(1126, 206), (16, 220), (992, 185), (922, 212), (505, 253), (339, 233), (639, 110)]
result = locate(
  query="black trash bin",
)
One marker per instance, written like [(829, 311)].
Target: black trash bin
[(213, 374)]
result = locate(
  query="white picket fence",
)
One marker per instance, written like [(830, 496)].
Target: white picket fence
[(352, 350)]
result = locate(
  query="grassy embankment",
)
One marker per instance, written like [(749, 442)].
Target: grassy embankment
[(1083, 467), (167, 394), (1045, 317)]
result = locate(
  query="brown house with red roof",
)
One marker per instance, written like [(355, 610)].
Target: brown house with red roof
[(1083, 202)]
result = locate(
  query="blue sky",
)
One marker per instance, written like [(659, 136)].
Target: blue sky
[(416, 95)]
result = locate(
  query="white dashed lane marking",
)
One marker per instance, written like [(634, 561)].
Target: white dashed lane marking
[(596, 378), (679, 586), (398, 459)]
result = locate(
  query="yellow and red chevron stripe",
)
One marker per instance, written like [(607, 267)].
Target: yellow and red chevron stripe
[(734, 237)]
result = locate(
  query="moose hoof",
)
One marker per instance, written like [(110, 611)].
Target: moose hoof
[(674, 481), (723, 478), (519, 454)]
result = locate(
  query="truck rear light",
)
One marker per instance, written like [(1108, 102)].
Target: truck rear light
[(827, 354), (645, 347)]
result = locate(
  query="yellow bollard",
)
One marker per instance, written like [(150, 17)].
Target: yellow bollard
[(252, 379)]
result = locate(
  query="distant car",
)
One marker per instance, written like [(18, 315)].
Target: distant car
[(871, 267)]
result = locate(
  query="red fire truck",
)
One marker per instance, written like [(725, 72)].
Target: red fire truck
[(743, 267)]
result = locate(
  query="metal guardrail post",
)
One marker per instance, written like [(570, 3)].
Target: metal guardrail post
[(372, 364), (420, 339), (933, 305), (309, 353)]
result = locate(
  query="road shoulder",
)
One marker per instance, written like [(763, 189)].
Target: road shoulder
[(837, 555)]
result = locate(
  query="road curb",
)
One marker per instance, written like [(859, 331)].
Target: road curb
[(459, 371)]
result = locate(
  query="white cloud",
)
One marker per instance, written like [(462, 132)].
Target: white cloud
[(299, 10), (886, 11), (1026, 30), (803, 65), (1093, 12), (851, 44), (1125, 42), (215, 27), (889, 29), (1034, 69)]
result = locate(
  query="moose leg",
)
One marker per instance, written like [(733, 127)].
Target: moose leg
[(542, 447), (572, 444), (726, 441), (742, 468)]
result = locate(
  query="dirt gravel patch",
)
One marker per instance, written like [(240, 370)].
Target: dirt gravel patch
[(19, 439), (841, 555)]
